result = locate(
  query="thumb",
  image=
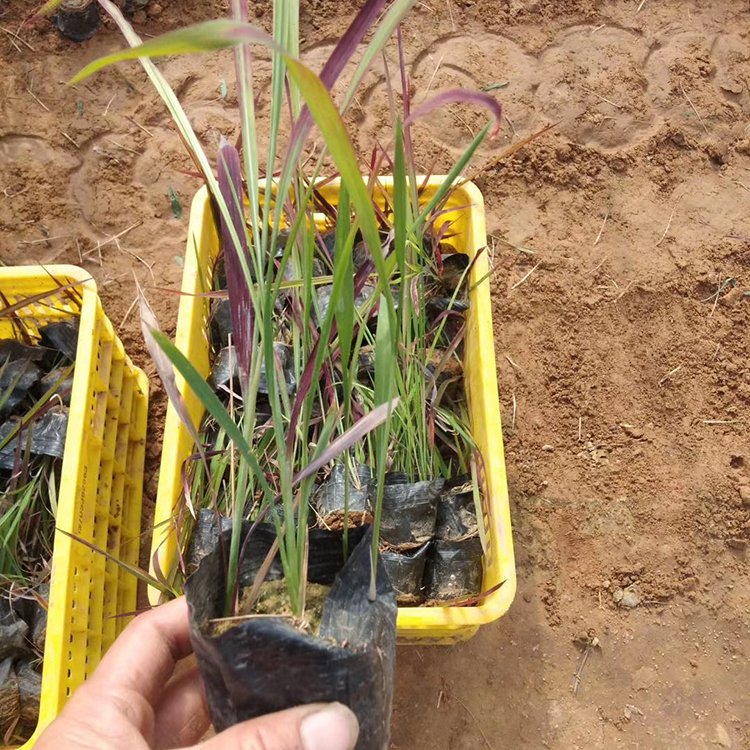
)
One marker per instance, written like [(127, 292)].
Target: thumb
[(317, 726)]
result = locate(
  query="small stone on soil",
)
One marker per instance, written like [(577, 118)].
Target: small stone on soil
[(628, 598), (548, 448), (722, 736), (745, 495), (644, 678), (630, 431)]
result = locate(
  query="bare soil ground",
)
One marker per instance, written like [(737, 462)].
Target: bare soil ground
[(621, 243)]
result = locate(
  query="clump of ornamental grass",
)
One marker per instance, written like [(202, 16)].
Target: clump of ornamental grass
[(313, 290)]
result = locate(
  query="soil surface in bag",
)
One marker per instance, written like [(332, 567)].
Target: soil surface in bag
[(409, 510), (453, 570), (454, 271), (265, 664), (10, 698), (406, 571)]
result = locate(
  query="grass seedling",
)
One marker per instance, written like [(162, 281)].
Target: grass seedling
[(304, 312)]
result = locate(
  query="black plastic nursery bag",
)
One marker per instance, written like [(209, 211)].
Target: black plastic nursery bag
[(331, 500), (265, 664), (454, 569), (406, 571), (457, 512), (409, 510)]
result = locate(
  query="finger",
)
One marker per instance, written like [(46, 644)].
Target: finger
[(114, 707), (182, 715), (143, 658), (104, 726), (314, 727)]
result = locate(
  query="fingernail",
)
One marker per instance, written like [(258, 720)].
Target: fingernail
[(334, 727)]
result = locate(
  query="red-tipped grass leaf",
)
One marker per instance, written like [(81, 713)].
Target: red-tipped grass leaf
[(459, 96), (236, 259)]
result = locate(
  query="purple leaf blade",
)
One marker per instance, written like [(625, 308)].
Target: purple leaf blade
[(458, 96), (339, 57), (356, 432), (236, 259)]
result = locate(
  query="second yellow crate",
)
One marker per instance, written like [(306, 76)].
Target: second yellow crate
[(101, 484)]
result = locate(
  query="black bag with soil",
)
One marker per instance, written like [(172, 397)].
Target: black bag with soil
[(457, 512), (332, 501), (406, 571), (265, 664), (454, 570), (78, 20), (225, 370), (44, 436), (409, 511), (61, 343), (13, 631)]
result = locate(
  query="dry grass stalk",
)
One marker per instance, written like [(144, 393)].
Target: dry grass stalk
[(666, 229), (601, 230), (692, 106), (521, 281), (669, 375)]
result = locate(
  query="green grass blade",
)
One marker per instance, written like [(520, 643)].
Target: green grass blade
[(139, 573), (246, 92), (452, 176), (392, 18), (331, 126), (200, 37), (385, 363), (344, 301), (49, 7), (400, 200), (213, 406)]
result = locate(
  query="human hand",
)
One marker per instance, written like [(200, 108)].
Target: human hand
[(141, 697)]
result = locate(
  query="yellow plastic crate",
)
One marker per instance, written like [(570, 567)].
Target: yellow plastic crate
[(101, 485), (422, 625)]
